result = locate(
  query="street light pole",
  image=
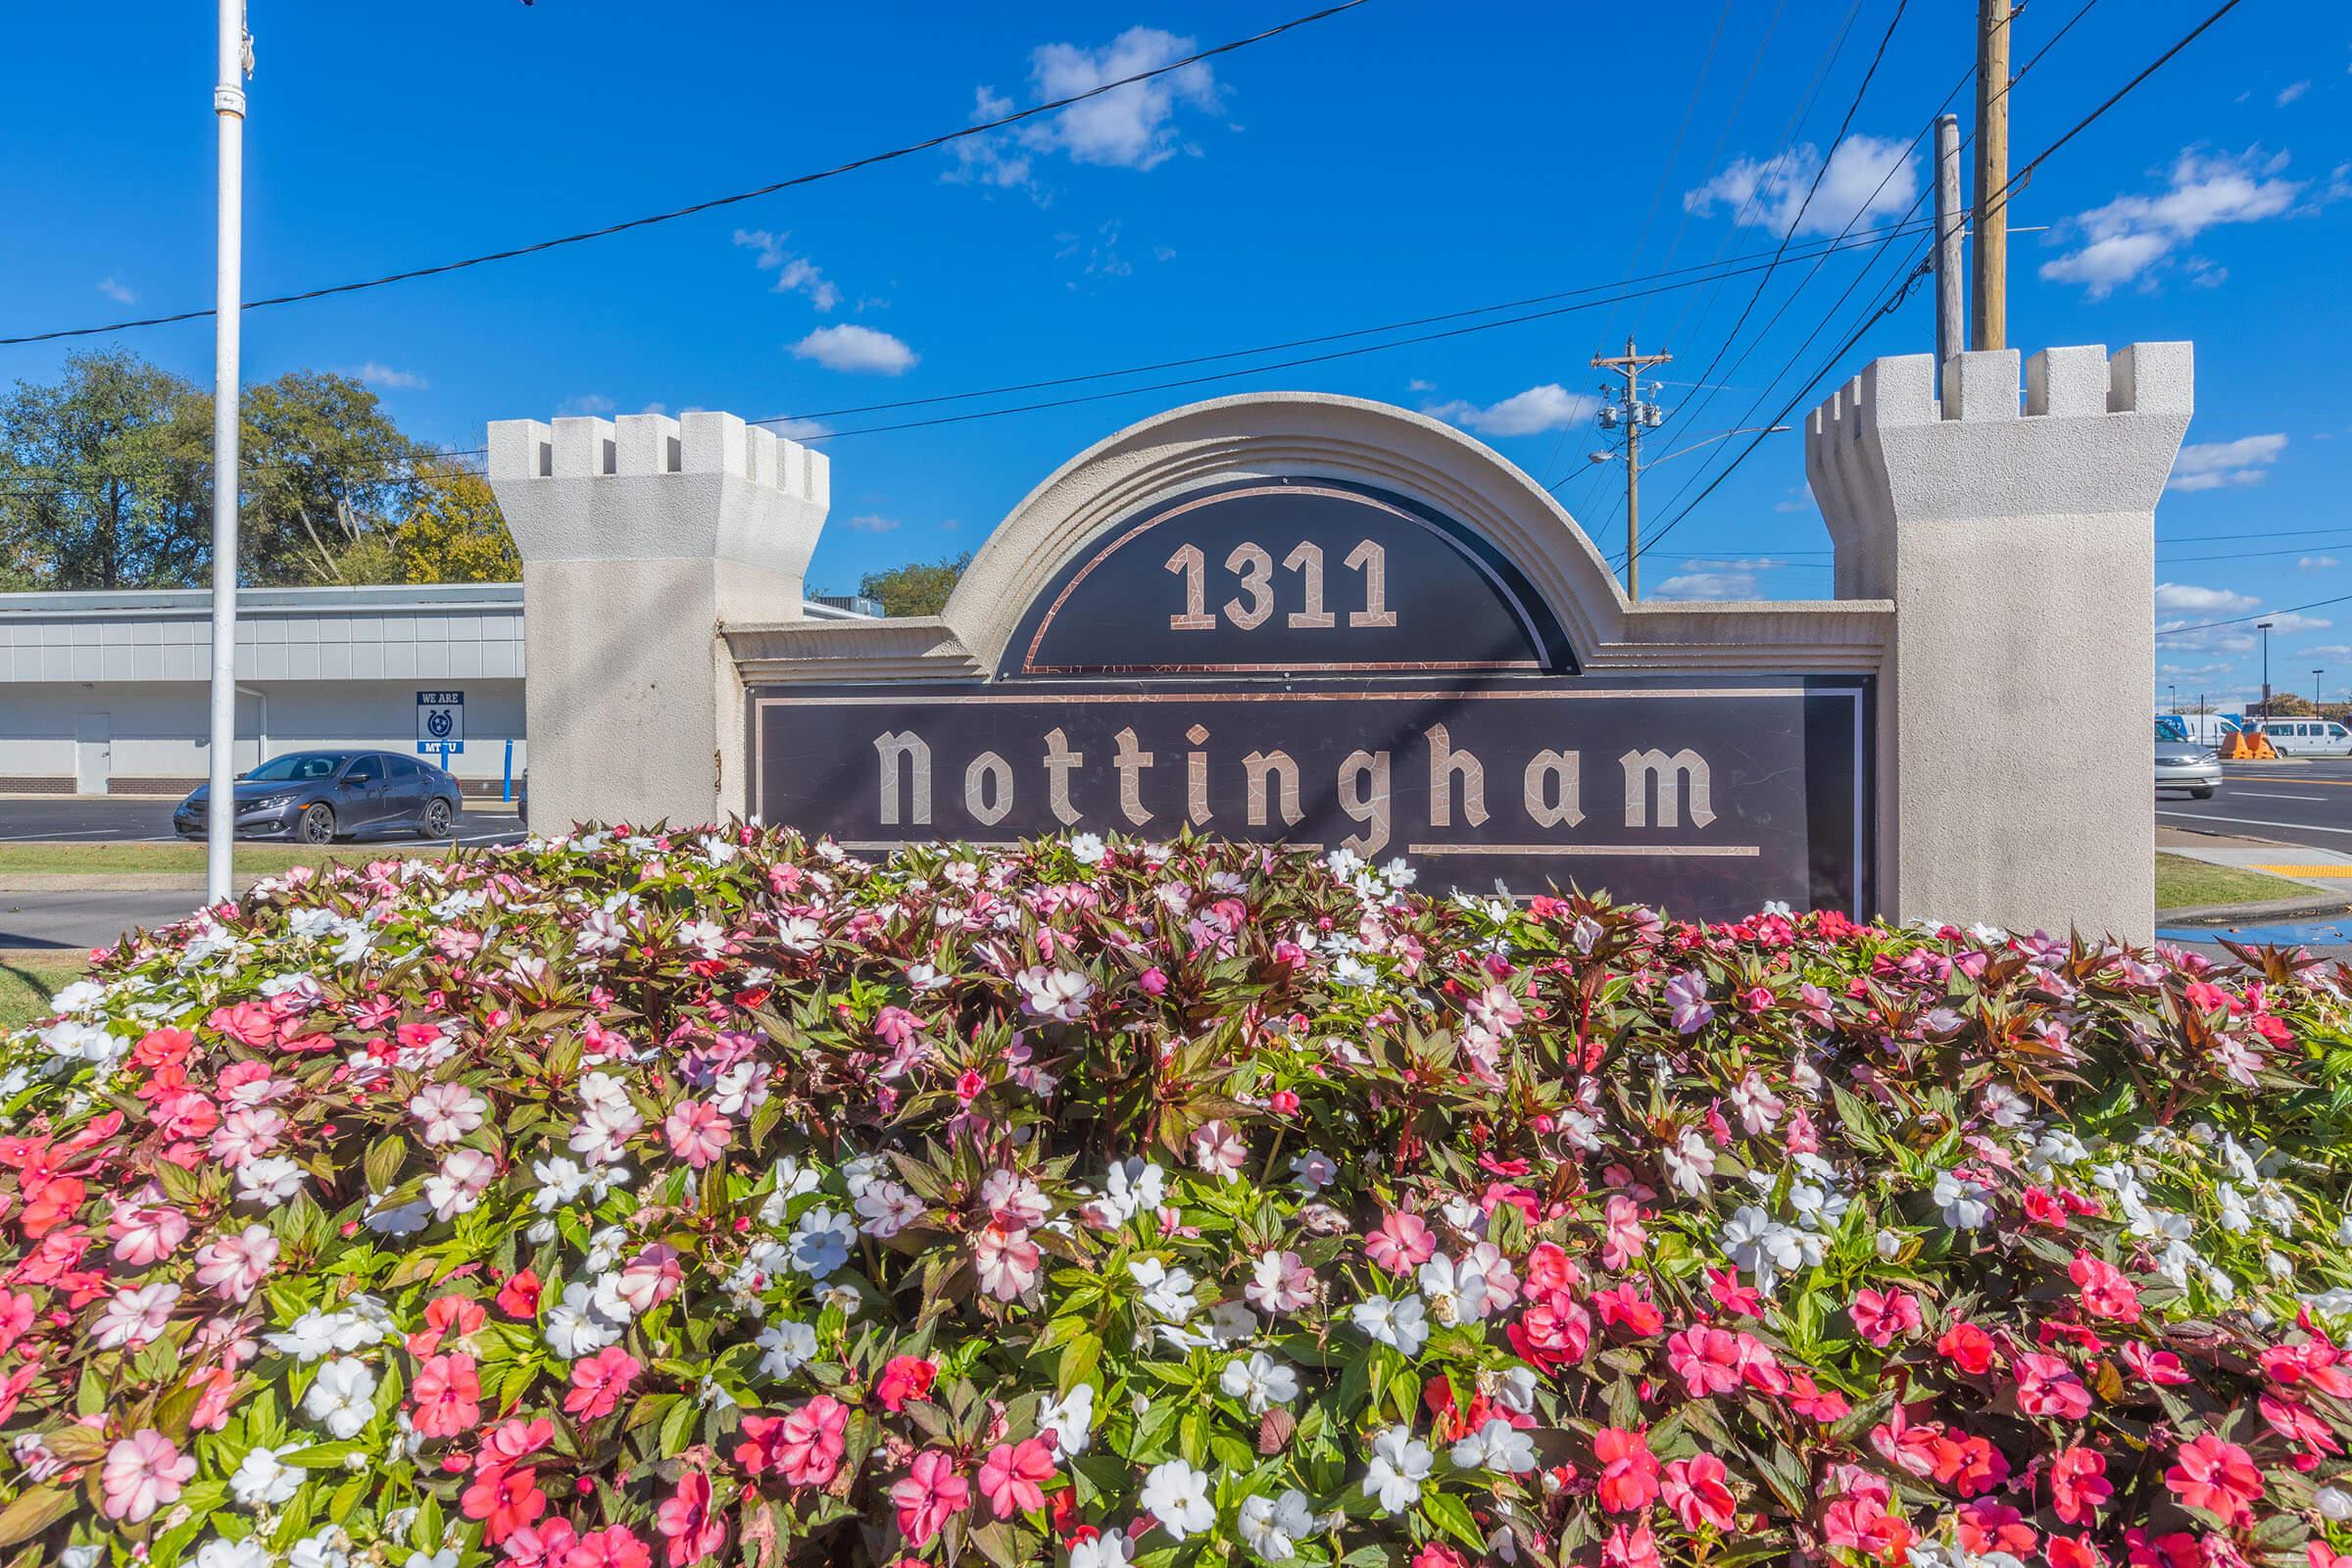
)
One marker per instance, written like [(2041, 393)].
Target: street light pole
[(228, 114), (2264, 627), (2314, 689)]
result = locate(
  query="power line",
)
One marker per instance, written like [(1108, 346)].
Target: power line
[(868, 161), (2259, 614)]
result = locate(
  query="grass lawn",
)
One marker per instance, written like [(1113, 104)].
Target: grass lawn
[(188, 859), (2181, 882), (27, 980)]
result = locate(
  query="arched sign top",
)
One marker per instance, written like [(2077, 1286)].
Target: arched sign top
[(1288, 575)]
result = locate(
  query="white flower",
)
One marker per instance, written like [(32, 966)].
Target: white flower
[(1456, 1291), (1400, 1463), (1403, 1323), (448, 1111), (1496, 1446), (561, 1182), (821, 1242), (268, 1180), (1691, 1163), (1110, 1549), (314, 1334), (1764, 1247), (789, 1345), (322, 1548), (1963, 1202), (1060, 994), (1270, 1527), (262, 1482), (80, 995), (2334, 1504), (213, 1554), (1132, 1187), (1219, 1150), (342, 1396), (573, 1328), (1086, 849), (1168, 1293), (446, 1558), (1071, 1419), (1316, 1170), (1259, 1382), (1177, 1495), (887, 1209)]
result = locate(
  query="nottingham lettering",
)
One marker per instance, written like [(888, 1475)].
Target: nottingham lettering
[(1133, 790)]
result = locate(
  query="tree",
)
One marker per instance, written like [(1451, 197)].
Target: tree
[(453, 532), (105, 477), (917, 588), (324, 468)]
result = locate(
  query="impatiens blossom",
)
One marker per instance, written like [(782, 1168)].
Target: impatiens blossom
[(1010, 1476), (1178, 1496), (2215, 1476), (447, 1111), (142, 1472), (929, 1494), (1402, 1244), (342, 1396), (234, 1267), (1271, 1528), (1398, 1465), (1629, 1471)]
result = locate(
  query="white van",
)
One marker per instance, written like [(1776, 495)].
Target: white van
[(2306, 737)]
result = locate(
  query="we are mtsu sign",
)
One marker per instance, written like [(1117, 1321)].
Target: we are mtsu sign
[(1325, 663)]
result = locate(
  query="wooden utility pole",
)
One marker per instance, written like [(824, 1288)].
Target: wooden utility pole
[(1635, 413), (1989, 326)]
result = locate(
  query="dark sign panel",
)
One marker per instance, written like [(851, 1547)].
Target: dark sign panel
[(1322, 664), (1282, 576), (1708, 797)]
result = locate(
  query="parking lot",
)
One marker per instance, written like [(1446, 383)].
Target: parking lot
[(2294, 802), (145, 820)]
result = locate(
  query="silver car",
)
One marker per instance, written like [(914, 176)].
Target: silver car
[(2188, 766)]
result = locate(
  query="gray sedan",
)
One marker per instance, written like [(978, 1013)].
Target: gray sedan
[(2188, 766), (318, 797)]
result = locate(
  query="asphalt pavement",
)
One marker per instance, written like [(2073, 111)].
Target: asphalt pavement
[(2294, 801), (138, 819)]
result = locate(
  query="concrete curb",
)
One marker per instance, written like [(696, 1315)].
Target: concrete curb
[(2229, 915)]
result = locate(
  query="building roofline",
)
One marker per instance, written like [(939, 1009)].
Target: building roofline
[(392, 598)]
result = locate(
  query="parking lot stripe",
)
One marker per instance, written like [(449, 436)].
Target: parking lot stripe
[(2253, 821)]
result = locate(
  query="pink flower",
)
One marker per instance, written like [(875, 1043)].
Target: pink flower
[(1885, 1318), (2079, 1484), (685, 1519), (599, 1381), (2154, 1367), (2047, 1385), (447, 1393), (505, 1498), (146, 1234), (233, 1266), (1402, 1244), (928, 1496), (2106, 1293), (613, 1548), (1010, 1476), (810, 1443), (1629, 1471), (1706, 1359), (698, 1133), (1007, 1260), (143, 1471), (894, 1026), (2218, 1477), (1625, 1238), (1695, 1490), (1630, 1546)]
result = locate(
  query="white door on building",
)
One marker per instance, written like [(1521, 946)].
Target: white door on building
[(93, 753)]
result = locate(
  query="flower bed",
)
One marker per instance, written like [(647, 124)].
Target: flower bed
[(718, 1197)]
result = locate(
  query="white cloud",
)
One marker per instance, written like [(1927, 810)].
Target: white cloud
[(2214, 465), (1867, 177), (2291, 92), (1416, 384), (871, 522), (2242, 637), (587, 403), (1707, 585), (2198, 601), (2133, 237), (795, 275), (1549, 407), (1133, 126), (2317, 563), (377, 374), (800, 430), (119, 293), (1798, 499), (849, 347), (2328, 651)]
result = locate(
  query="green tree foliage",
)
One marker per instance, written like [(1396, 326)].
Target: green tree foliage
[(105, 482), (917, 588), (453, 532), (105, 477)]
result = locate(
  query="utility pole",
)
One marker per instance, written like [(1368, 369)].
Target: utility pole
[(2314, 689), (228, 114), (1990, 328), (2264, 627), (1633, 413), (1950, 314)]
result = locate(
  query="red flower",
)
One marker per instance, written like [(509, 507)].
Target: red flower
[(615, 1547), (504, 1495), (2067, 1551), (447, 1394), (1630, 1546), (2046, 1385), (685, 1519), (2296, 1423), (808, 1444), (905, 1377), (1627, 1308), (2218, 1477), (599, 1381), (519, 1295), (1629, 1471), (1968, 1347), (2106, 1293), (1694, 1490), (2154, 1367), (1986, 1526), (2079, 1484)]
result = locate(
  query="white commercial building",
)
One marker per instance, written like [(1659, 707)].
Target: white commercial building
[(105, 693)]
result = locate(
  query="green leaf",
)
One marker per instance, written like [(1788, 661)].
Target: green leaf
[(1452, 1515), (32, 1511)]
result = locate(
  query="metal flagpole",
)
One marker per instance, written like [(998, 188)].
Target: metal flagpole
[(228, 114)]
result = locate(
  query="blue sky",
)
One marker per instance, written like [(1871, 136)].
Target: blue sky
[(1403, 159)]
